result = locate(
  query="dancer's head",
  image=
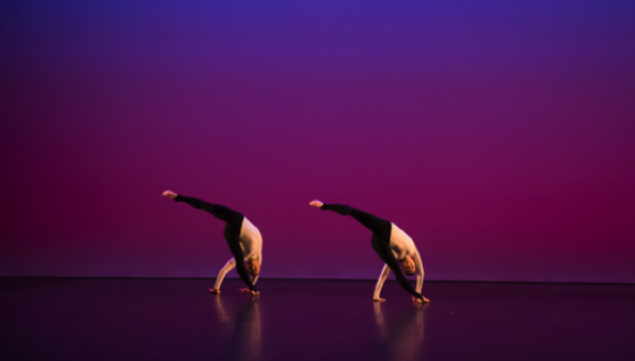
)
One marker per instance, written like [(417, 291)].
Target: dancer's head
[(408, 266), (253, 267)]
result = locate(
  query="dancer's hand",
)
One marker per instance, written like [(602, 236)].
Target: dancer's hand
[(379, 299), (169, 193), (214, 291), (316, 203)]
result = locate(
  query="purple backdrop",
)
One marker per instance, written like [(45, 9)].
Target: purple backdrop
[(500, 135)]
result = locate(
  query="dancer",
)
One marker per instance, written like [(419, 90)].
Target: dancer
[(243, 238), (391, 244)]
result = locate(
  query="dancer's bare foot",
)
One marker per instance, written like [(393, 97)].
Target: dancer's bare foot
[(169, 193), (214, 291), (316, 203), (244, 290), (379, 299), (425, 300)]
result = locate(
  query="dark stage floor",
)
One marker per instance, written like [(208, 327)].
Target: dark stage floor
[(177, 319)]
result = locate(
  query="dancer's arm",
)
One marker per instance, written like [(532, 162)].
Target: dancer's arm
[(221, 274), (380, 283), (420, 272)]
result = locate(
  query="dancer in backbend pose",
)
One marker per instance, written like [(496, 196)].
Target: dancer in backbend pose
[(392, 245), (243, 238)]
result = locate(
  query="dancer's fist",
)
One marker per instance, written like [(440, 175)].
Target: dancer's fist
[(169, 193), (316, 203)]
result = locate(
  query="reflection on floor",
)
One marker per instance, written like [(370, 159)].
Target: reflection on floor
[(177, 319)]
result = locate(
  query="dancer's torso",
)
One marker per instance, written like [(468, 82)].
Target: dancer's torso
[(250, 240), (401, 244)]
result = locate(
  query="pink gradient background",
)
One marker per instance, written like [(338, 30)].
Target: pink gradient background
[(499, 135)]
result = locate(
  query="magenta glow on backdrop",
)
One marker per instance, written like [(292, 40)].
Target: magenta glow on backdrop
[(500, 135)]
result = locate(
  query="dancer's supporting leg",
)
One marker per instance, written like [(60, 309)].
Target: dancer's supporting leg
[(221, 275), (380, 241), (233, 224)]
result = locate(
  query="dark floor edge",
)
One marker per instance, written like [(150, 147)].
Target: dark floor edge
[(314, 279)]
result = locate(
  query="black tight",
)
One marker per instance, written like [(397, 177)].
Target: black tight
[(380, 240), (378, 226), (231, 217), (233, 224)]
